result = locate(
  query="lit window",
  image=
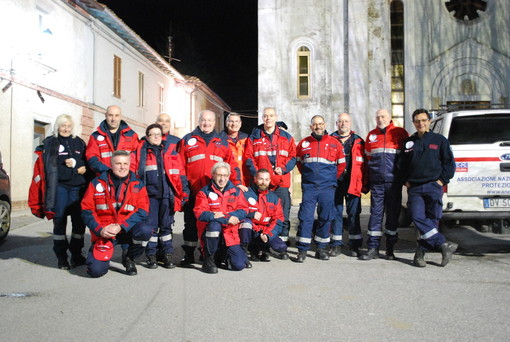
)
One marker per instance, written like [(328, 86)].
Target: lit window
[(303, 65), (117, 68), (140, 89)]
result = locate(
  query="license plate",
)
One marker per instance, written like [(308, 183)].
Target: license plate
[(496, 202)]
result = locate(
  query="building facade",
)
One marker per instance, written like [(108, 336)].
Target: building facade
[(77, 57), (332, 56)]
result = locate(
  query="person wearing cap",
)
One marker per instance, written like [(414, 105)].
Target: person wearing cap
[(158, 164), (113, 207), (220, 209)]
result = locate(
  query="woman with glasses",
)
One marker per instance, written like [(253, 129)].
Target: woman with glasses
[(158, 164)]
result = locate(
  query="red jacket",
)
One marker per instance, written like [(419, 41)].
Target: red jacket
[(320, 162), (99, 206), (100, 146), (260, 153), (230, 202), (382, 148), (199, 158), (268, 204), (37, 191), (144, 164), (355, 164)]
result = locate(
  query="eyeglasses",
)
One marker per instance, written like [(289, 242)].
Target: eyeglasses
[(155, 135), (420, 121)]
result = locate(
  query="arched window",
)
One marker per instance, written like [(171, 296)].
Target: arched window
[(397, 61), (303, 72)]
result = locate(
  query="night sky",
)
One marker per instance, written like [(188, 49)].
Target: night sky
[(214, 40)]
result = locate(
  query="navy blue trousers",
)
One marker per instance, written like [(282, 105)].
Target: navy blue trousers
[(67, 203), (323, 199), (425, 203), (161, 215), (385, 198)]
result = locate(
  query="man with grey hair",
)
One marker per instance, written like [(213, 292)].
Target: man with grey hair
[(200, 150), (350, 184), (220, 209), (320, 160)]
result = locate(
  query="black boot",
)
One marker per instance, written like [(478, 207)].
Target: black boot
[(301, 256), (447, 250), (152, 262), (167, 260), (77, 260), (390, 255), (419, 257), (373, 253), (189, 257), (209, 265), (335, 251), (63, 264), (130, 266), (321, 254)]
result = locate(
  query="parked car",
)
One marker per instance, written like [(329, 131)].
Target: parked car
[(5, 201), (479, 193)]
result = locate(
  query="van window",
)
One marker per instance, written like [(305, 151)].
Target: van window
[(479, 129), (436, 126)]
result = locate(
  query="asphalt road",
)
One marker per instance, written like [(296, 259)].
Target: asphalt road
[(340, 299)]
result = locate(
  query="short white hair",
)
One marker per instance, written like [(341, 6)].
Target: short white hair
[(62, 119), (219, 165)]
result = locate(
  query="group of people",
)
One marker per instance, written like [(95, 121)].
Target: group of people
[(234, 190)]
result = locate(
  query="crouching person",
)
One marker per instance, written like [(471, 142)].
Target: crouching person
[(265, 220), (113, 208), (220, 207)]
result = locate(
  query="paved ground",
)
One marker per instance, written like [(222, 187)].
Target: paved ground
[(340, 299)]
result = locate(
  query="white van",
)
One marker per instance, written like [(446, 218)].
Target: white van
[(479, 193)]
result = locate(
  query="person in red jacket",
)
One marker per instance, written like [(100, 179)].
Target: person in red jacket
[(160, 167), (220, 208), (57, 188), (261, 229), (237, 142), (382, 148), (113, 207), (320, 160), (112, 134), (271, 147), (200, 150), (350, 184)]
